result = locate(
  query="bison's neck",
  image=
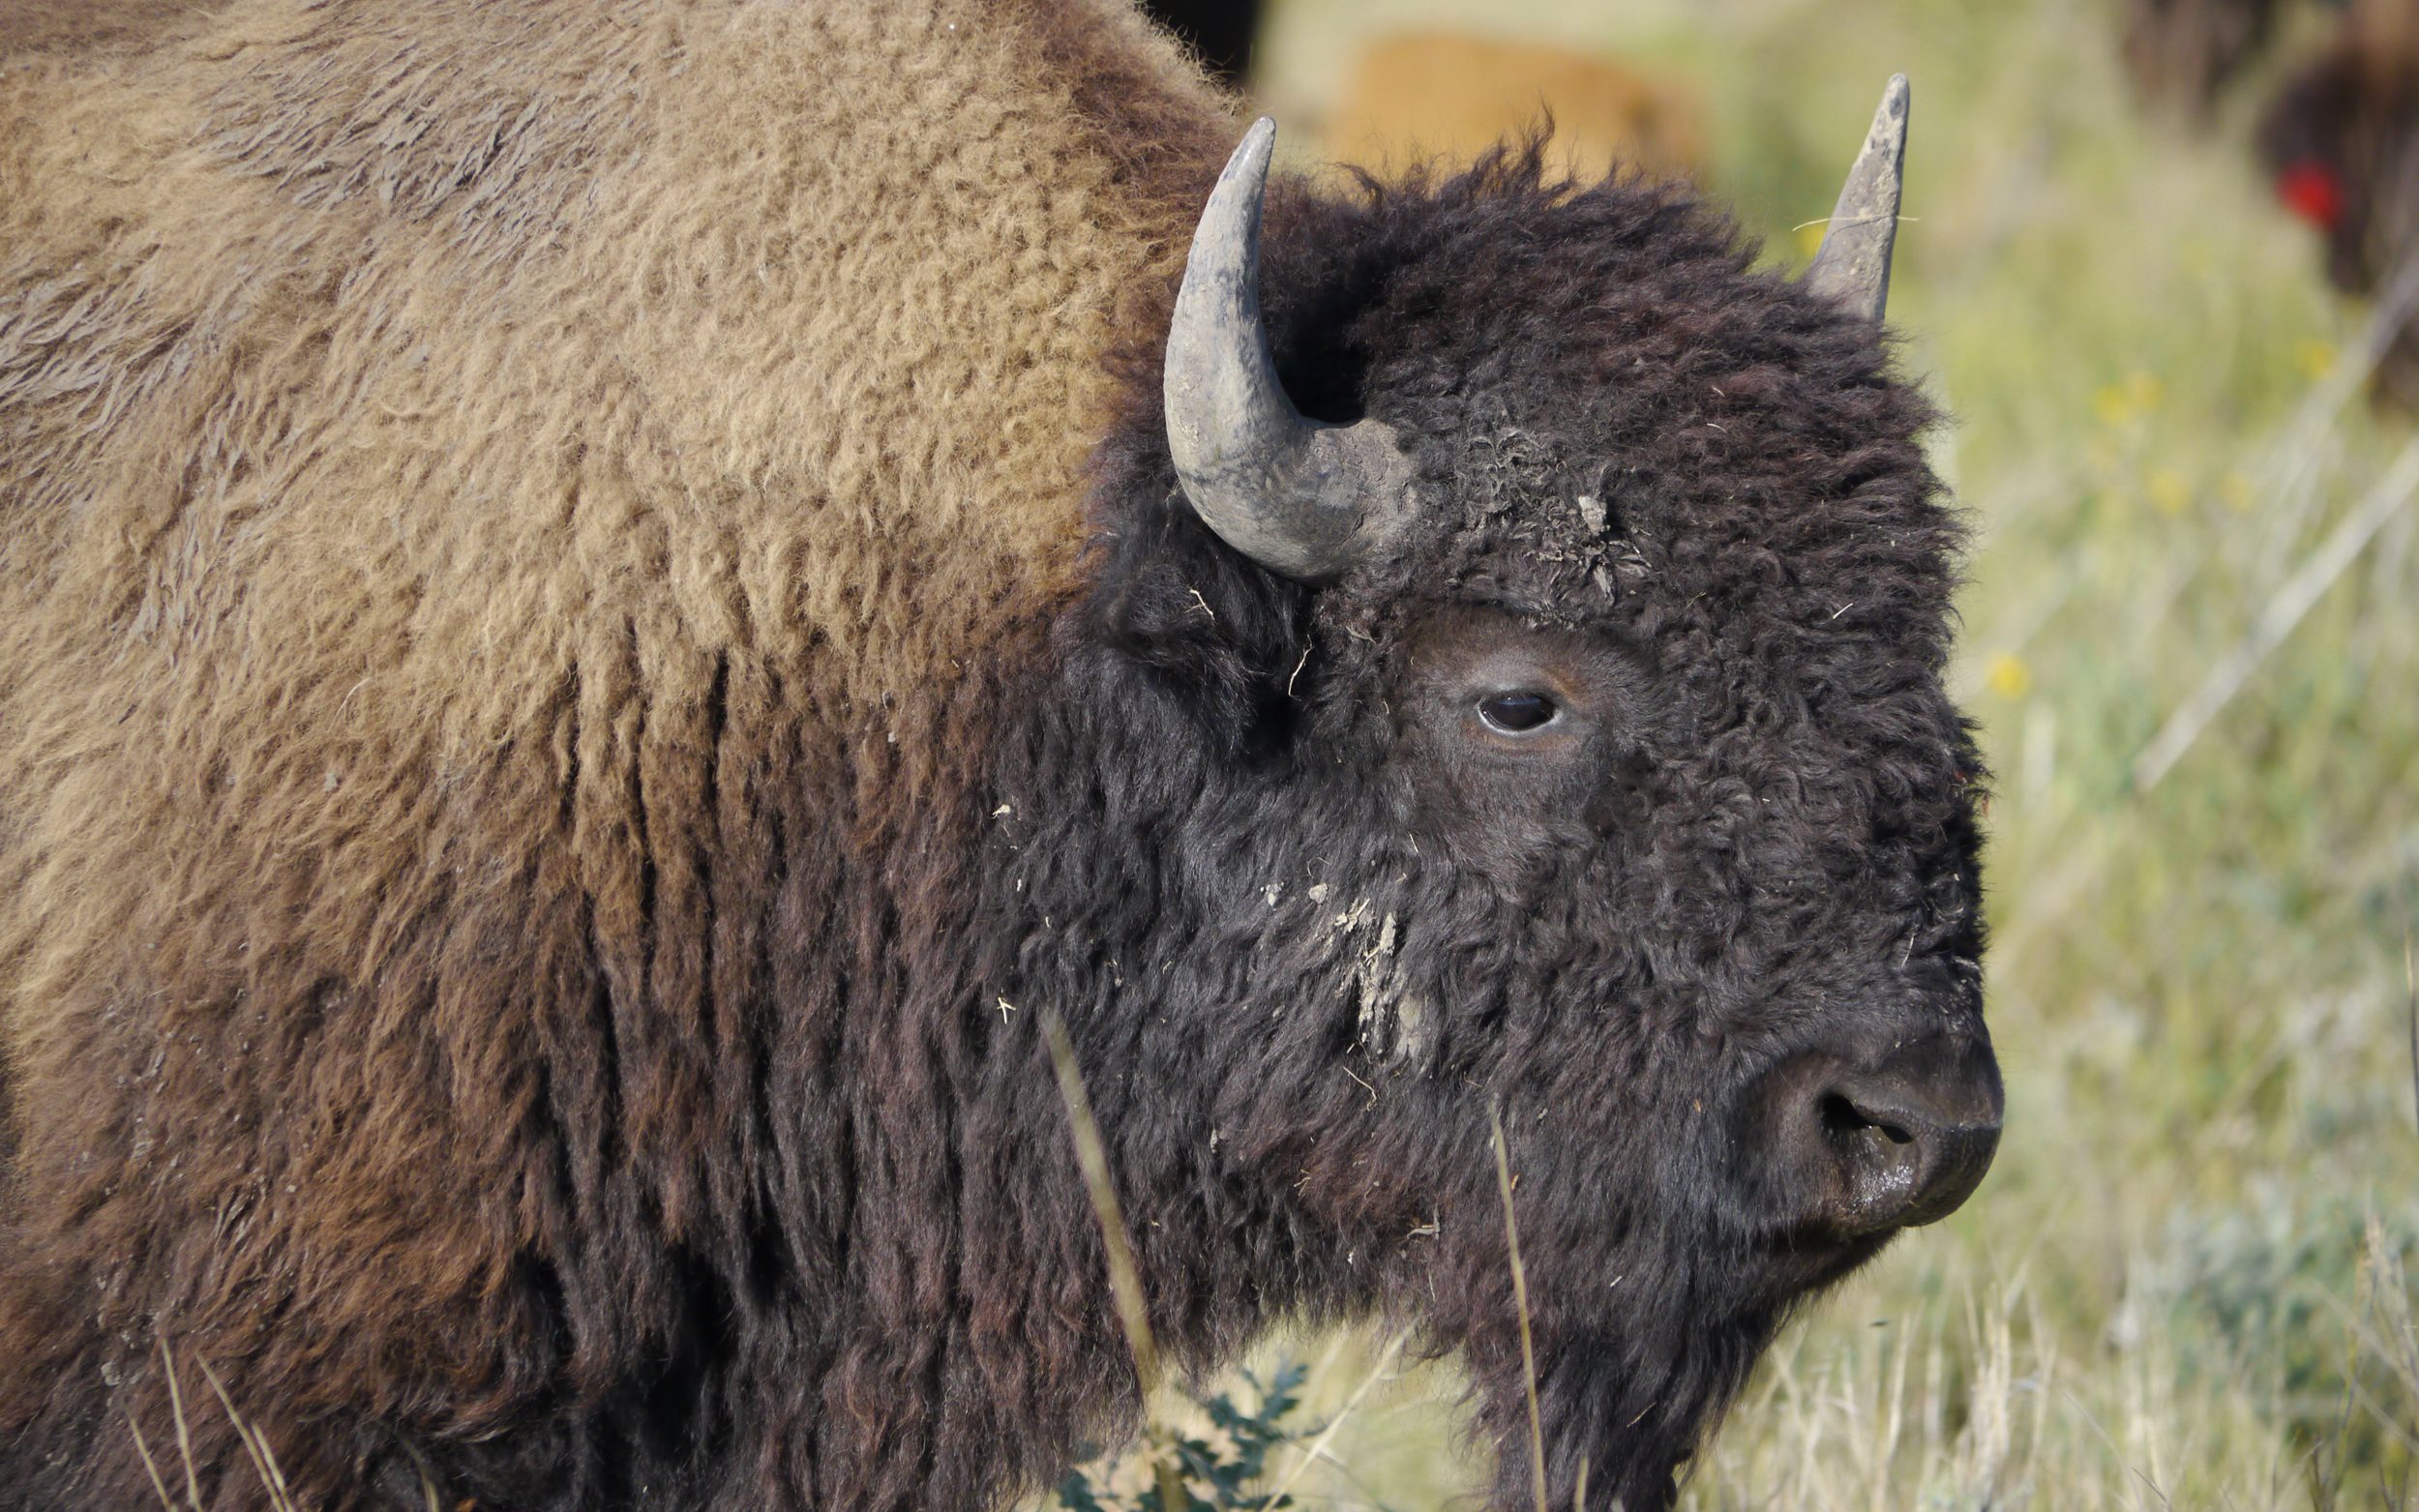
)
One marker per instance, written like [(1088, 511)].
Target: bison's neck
[(1031, 882)]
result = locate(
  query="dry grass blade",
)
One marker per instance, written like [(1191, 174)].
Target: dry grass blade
[(2395, 304), (1520, 1302), (1327, 1434), (2410, 1000), (150, 1466), (427, 1483), (276, 1475), (2294, 461), (183, 1430), (263, 1463), (2277, 619), (1125, 1285), (2400, 1328)]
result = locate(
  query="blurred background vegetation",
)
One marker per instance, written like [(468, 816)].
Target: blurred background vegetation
[(2191, 642)]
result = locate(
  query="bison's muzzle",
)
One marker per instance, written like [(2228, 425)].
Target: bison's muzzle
[(1888, 1139)]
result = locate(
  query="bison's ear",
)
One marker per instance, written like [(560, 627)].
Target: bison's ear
[(1200, 620)]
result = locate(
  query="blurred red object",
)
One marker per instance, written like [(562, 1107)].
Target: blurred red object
[(2311, 191)]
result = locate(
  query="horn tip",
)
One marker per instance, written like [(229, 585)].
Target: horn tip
[(1249, 161), (1852, 267), (1890, 116)]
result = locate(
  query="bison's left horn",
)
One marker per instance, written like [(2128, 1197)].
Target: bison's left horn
[(1299, 497), (1852, 269)]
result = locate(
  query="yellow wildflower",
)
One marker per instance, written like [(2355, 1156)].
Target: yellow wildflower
[(2008, 677), (2117, 403)]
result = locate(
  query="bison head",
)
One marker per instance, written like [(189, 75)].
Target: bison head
[(1517, 658)]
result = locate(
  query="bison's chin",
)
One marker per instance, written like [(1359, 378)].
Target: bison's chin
[(1812, 1260), (1663, 1388)]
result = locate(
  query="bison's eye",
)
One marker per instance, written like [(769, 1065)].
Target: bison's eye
[(1517, 713)]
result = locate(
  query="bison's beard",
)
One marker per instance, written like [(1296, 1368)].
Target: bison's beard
[(1623, 1397), (1648, 1301)]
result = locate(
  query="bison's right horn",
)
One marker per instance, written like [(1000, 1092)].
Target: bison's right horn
[(1852, 267), (1299, 497)]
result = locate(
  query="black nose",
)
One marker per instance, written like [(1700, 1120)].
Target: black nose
[(1886, 1142)]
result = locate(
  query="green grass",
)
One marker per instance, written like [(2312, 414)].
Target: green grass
[(2185, 1282)]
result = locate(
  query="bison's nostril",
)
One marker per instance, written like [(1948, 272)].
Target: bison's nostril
[(1838, 1115), (1842, 1117)]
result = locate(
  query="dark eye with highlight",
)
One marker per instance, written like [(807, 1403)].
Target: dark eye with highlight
[(1517, 713)]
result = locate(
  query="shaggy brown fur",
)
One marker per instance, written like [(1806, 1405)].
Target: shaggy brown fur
[(95, 27), (456, 460)]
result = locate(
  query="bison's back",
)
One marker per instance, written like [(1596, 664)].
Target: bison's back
[(454, 461)]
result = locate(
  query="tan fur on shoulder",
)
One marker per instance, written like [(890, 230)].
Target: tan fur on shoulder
[(449, 455)]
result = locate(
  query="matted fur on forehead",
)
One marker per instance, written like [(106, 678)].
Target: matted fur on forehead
[(1613, 415)]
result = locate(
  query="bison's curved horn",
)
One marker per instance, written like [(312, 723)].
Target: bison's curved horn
[(1852, 269), (1299, 497)]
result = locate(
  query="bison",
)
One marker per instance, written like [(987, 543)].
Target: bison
[(608, 610), (2341, 143)]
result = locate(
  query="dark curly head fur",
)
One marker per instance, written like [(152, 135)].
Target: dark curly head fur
[(1701, 485)]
